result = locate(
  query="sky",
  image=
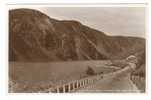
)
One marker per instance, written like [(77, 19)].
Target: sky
[(127, 21)]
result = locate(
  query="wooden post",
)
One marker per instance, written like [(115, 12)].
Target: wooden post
[(57, 89), (87, 81), (64, 90), (80, 83), (83, 82), (77, 84), (73, 84), (69, 87)]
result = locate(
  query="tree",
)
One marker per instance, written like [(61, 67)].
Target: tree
[(90, 71)]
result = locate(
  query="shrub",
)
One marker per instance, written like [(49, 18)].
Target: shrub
[(90, 71)]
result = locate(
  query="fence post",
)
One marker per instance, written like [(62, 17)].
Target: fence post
[(69, 87), (57, 89), (80, 83), (64, 89), (87, 81), (73, 85), (84, 82), (77, 84)]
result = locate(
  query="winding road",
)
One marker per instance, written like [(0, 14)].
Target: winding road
[(118, 81)]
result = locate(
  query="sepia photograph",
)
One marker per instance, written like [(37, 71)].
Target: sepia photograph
[(77, 49)]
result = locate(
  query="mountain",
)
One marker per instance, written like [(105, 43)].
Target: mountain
[(35, 37)]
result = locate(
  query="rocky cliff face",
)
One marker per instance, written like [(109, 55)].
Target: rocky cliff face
[(35, 37)]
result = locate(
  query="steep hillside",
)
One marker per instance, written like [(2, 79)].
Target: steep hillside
[(33, 36)]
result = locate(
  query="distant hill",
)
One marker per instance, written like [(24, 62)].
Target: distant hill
[(35, 37)]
